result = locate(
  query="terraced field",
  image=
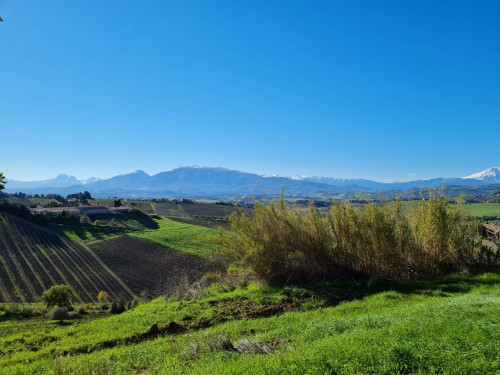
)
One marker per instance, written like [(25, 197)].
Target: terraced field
[(146, 266), (32, 259)]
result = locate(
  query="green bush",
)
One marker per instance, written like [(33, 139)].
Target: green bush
[(281, 243), (59, 313), (117, 307)]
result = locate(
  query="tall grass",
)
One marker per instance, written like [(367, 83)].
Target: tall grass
[(282, 243)]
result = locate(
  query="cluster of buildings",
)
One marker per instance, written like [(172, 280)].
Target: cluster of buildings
[(80, 210)]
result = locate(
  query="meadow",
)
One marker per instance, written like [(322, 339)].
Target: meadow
[(183, 237), (447, 325), (483, 209)]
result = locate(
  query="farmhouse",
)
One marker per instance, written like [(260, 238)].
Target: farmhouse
[(92, 210), (55, 210), (81, 210)]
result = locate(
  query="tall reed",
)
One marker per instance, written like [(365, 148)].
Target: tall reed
[(282, 243)]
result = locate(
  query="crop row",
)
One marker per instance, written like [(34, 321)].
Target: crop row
[(146, 266), (33, 259)]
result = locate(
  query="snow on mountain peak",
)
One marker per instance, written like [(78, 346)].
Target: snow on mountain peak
[(492, 173)]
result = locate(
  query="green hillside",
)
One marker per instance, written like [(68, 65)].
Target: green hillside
[(442, 326), (183, 237)]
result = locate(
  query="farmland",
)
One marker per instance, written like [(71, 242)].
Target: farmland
[(483, 209), (183, 237), (32, 201), (147, 267), (190, 209), (147, 252), (32, 259)]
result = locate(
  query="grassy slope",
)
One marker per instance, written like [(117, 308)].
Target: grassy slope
[(448, 325), (184, 237)]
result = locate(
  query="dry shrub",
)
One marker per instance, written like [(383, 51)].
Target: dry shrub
[(246, 346), (281, 243), (221, 342)]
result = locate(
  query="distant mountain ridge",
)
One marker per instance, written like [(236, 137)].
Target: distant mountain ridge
[(211, 181), (489, 176)]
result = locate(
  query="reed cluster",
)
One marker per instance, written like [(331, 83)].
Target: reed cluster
[(284, 243)]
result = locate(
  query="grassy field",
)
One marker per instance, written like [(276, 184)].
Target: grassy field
[(482, 209), (183, 237), (442, 326), (180, 236)]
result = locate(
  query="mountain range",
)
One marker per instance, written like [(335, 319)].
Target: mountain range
[(212, 181)]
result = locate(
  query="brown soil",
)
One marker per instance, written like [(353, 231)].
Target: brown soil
[(228, 310), (147, 267)]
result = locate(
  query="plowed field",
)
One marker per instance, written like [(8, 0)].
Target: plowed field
[(147, 267), (32, 259)]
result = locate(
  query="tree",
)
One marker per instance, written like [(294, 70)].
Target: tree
[(102, 296), (117, 203), (2, 181), (58, 295)]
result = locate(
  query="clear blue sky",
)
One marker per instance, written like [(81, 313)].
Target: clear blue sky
[(386, 90)]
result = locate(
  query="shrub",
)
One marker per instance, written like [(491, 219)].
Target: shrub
[(281, 243), (59, 313), (84, 220), (58, 295), (102, 296), (117, 307), (135, 302)]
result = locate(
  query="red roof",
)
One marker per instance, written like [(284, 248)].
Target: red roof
[(89, 208)]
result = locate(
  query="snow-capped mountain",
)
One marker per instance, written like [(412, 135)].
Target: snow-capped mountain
[(206, 181), (491, 175)]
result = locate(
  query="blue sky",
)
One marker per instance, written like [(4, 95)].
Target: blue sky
[(386, 90)]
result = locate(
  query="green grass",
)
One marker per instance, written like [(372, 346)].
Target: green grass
[(443, 326), (178, 235), (183, 237), (482, 209)]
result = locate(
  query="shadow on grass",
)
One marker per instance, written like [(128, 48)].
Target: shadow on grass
[(334, 293), (63, 323), (110, 225)]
